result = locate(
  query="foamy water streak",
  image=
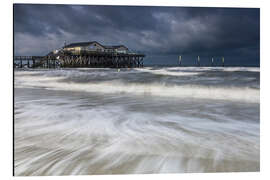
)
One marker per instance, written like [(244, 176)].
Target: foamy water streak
[(77, 122), (181, 90)]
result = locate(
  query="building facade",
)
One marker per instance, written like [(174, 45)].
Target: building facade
[(94, 47)]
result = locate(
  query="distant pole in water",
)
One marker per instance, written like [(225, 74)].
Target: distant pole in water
[(180, 60), (198, 60), (212, 62), (223, 61)]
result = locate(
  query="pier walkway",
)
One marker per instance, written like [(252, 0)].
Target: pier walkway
[(80, 59)]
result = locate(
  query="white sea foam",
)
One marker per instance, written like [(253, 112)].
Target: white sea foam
[(154, 89), (199, 69), (124, 125), (58, 140), (165, 71)]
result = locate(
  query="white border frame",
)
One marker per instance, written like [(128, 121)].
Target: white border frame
[(7, 85)]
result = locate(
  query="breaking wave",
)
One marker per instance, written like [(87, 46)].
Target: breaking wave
[(63, 82)]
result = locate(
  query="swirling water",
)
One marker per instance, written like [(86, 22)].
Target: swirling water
[(148, 120)]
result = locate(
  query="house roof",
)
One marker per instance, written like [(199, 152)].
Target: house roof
[(91, 42), (114, 47), (80, 44)]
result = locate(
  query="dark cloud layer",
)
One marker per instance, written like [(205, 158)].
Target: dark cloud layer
[(156, 31)]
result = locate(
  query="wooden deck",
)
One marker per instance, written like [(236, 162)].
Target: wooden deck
[(81, 59)]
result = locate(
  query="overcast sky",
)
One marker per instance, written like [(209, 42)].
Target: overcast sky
[(162, 33)]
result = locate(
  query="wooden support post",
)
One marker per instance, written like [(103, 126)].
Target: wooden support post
[(81, 61), (212, 62), (180, 60), (119, 61), (128, 61), (114, 62), (63, 62), (223, 61), (72, 61), (47, 61), (91, 61), (21, 65), (198, 60)]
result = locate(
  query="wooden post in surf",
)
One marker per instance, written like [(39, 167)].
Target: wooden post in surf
[(223, 61), (34, 63), (21, 63), (198, 60), (180, 60), (47, 61)]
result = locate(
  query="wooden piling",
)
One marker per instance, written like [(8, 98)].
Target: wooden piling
[(180, 60), (47, 63), (34, 63), (83, 60)]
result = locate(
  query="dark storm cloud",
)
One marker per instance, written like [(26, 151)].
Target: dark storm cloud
[(153, 30)]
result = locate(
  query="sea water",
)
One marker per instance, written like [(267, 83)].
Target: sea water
[(142, 120)]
